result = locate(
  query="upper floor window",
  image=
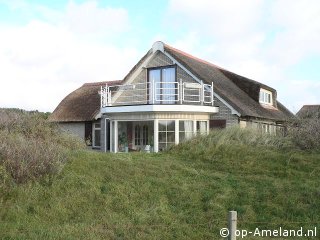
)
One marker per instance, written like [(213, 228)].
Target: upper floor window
[(265, 97), (163, 88)]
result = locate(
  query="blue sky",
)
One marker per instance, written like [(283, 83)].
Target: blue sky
[(50, 48)]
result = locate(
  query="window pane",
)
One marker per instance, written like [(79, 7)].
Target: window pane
[(97, 125), (154, 79), (168, 85), (170, 125), (170, 137), (162, 126), (202, 126), (182, 137), (162, 137), (162, 146), (97, 138)]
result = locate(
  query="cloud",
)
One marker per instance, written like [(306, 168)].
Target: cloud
[(44, 60), (260, 39)]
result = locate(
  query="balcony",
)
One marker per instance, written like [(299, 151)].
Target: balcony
[(157, 93)]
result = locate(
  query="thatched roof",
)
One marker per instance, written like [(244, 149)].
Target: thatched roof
[(309, 111), (240, 92), (82, 104)]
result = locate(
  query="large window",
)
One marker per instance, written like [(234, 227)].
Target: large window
[(185, 130), (163, 87), (166, 134), (265, 97), (96, 134)]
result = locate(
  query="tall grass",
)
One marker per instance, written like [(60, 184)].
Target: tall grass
[(233, 139), (30, 146)]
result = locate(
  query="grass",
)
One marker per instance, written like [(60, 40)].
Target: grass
[(185, 193)]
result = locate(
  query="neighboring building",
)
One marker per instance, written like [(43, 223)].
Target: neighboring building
[(167, 97), (309, 111)]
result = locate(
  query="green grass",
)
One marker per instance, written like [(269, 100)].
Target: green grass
[(185, 193)]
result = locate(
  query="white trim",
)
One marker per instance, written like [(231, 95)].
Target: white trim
[(105, 134), (111, 134), (115, 136), (265, 93), (156, 135), (176, 132), (97, 116), (161, 108), (158, 46)]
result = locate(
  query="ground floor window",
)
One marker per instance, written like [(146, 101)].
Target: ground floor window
[(202, 127), (129, 136), (96, 135), (166, 134), (135, 136), (185, 130)]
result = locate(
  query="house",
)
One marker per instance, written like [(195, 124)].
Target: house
[(79, 113), (309, 111), (168, 97)]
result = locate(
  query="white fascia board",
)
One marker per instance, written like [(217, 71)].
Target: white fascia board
[(161, 108), (233, 111), (97, 116)]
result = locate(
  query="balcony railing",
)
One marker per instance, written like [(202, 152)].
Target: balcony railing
[(157, 93)]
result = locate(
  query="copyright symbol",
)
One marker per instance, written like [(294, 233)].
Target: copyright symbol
[(224, 232)]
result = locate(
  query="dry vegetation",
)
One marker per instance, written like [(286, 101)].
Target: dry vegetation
[(183, 193), (305, 133), (30, 146)]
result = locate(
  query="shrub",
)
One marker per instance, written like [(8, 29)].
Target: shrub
[(305, 133), (30, 146)]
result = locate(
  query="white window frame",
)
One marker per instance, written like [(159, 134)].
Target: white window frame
[(264, 96)]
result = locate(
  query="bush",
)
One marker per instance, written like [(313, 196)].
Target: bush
[(305, 133), (30, 146)]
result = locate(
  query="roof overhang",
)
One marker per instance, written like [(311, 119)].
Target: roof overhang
[(160, 108)]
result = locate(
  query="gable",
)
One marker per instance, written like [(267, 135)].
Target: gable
[(139, 76)]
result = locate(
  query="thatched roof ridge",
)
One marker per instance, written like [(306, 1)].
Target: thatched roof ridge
[(83, 104)]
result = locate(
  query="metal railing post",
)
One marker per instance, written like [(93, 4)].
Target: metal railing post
[(232, 225)]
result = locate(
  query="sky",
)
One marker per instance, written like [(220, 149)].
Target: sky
[(50, 48)]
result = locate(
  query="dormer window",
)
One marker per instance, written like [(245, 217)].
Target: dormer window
[(265, 97)]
